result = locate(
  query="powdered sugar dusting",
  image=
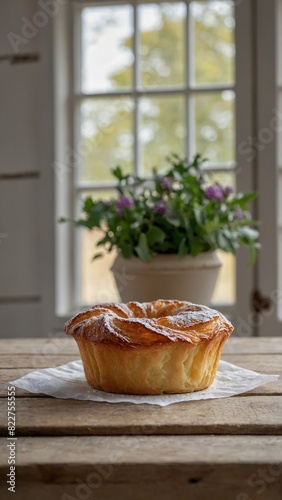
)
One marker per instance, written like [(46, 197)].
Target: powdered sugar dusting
[(142, 324)]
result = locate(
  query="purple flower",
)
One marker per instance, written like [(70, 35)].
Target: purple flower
[(159, 208), (227, 190), (238, 215), (166, 183), (123, 203), (214, 193)]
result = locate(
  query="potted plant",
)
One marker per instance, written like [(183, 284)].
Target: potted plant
[(167, 229)]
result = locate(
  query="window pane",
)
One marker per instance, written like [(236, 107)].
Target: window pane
[(106, 138), (162, 44), (227, 178), (96, 281), (107, 54), (213, 48), (162, 129), (213, 116), (225, 290)]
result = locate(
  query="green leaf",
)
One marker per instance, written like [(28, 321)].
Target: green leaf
[(183, 249), (126, 250), (249, 233), (198, 213), (94, 219), (98, 206), (88, 204), (117, 172), (243, 200), (173, 221), (97, 256), (155, 235), (225, 243), (83, 223), (196, 247), (142, 249)]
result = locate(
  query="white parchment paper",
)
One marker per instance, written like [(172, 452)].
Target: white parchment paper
[(68, 382)]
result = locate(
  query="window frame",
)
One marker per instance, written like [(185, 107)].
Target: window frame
[(268, 275)]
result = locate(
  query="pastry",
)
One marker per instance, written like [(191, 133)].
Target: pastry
[(164, 346)]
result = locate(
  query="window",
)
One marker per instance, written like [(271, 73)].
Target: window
[(150, 79), (136, 80)]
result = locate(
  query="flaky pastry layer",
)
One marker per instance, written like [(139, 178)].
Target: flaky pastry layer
[(156, 347), (138, 324)]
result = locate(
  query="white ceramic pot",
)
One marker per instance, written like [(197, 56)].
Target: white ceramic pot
[(167, 277)]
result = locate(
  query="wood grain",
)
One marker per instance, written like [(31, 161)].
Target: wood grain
[(264, 364), (150, 483), (240, 415), (55, 344), (213, 449), (126, 467), (267, 363), (146, 449), (34, 361), (61, 344), (253, 345)]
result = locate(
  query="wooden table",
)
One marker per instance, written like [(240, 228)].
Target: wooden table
[(215, 449)]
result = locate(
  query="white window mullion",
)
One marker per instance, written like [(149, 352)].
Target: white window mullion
[(64, 39)]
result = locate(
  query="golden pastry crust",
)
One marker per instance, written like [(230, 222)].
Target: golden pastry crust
[(165, 346)]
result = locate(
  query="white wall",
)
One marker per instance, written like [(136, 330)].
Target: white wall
[(25, 168)]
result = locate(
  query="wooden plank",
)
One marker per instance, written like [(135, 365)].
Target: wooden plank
[(145, 449), (239, 415), (126, 467), (268, 363), (260, 363), (253, 345), (8, 374), (54, 344), (264, 363), (61, 344), (35, 361), (225, 483), (270, 389)]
